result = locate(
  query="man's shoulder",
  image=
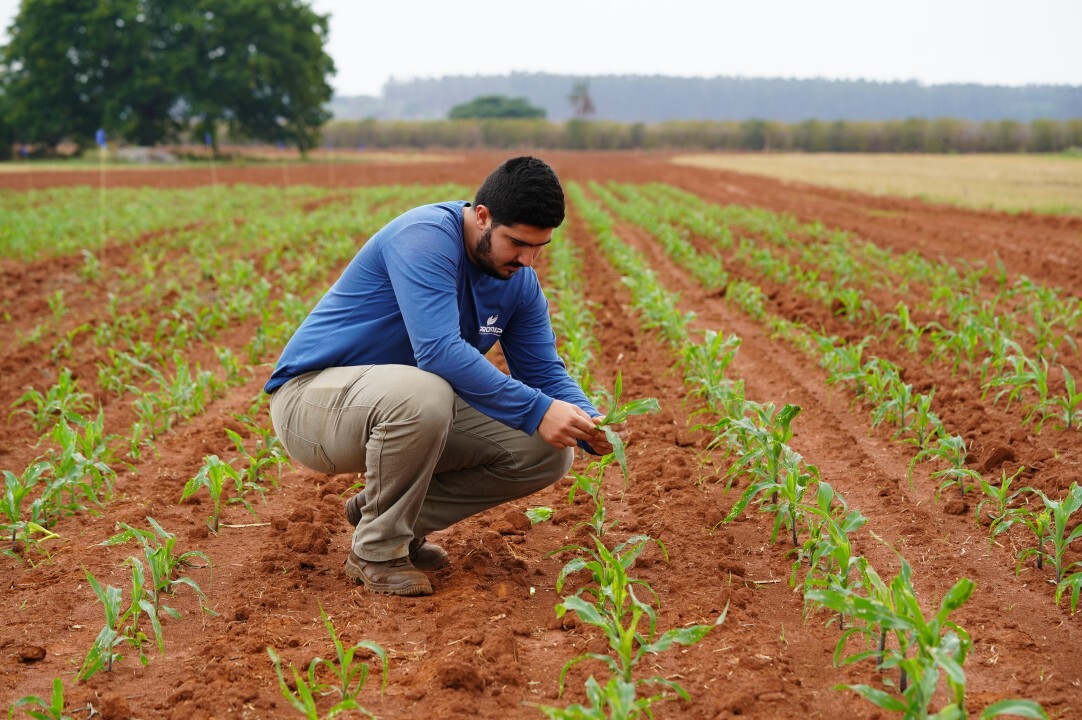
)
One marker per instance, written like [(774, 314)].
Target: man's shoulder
[(444, 214)]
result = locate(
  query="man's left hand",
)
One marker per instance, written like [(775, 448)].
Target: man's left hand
[(597, 439)]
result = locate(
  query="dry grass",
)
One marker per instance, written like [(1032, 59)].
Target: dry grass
[(1041, 183)]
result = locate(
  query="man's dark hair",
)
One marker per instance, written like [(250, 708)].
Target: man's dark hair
[(523, 191)]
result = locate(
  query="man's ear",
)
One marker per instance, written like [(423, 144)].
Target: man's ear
[(482, 217)]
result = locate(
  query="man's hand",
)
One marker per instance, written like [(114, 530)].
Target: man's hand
[(565, 424)]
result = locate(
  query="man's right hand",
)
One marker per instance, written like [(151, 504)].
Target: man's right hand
[(565, 424)]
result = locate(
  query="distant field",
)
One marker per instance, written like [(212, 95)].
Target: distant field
[(1049, 184), (238, 158)]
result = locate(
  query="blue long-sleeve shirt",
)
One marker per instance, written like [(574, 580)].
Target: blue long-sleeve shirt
[(411, 296)]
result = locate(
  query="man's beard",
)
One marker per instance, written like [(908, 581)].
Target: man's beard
[(484, 258)]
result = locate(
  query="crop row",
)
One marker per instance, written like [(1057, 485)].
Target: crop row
[(783, 484), (972, 334), (879, 383)]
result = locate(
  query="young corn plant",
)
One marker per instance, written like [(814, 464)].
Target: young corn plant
[(163, 562), (828, 549), (17, 490), (1049, 523), (77, 468), (787, 490), (349, 673), (302, 691), (613, 607), (52, 709), (121, 625), (265, 463), (1069, 406), (62, 400), (591, 483), (998, 499), (764, 444), (929, 647), (1026, 374), (617, 415), (950, 449), (213, 476), (923, 424), (706, 364)]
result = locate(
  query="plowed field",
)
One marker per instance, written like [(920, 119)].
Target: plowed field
[(488, 643)]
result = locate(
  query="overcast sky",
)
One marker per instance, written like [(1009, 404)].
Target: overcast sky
[(1001, 42)]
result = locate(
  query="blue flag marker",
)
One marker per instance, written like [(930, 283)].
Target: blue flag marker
[(23, 150), (207, 140), (99, 136)]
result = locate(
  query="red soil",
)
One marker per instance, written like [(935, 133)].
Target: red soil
[(488, 643)]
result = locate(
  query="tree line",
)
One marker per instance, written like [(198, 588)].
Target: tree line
[(938, 135), (659, 98)]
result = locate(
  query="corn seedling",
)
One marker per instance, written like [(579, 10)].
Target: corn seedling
[(706, 363), (1026, 374), (306, 687), (106, 648), (52, 709), (269, 455), (163, 562), (17, 489), (591, 483), (78, 468), (213, 476), (617, 415), (1070, 404), (950, 449), (939, 647), (62, 400), (613, 607), (765, 447), (998, 499), (349, 673), (1050, 523), (828, 550), (910, 331), (303, 698)]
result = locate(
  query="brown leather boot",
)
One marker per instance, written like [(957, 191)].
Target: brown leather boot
[(426, 555), (423, 555), (392, 577)]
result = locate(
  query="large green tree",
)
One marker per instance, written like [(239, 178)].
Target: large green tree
[(146, 70), (495, 106)]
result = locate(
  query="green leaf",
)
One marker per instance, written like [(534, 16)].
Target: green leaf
[(876, 696), (1019, 708), (539, 514)]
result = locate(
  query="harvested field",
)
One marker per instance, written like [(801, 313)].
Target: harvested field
[(1045, 183), (206, 283)]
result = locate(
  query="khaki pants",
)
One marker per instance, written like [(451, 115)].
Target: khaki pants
[(429, 458)]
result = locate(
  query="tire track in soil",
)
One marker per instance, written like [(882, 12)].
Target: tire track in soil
[(950, 546)]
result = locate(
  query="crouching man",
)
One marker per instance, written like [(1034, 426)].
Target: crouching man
[(387, 375)]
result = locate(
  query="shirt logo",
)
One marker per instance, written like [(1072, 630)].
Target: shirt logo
[(489, 328)]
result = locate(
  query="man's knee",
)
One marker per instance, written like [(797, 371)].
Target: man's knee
[(418, 398), (547, 464)]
